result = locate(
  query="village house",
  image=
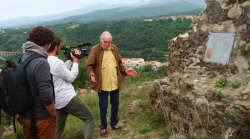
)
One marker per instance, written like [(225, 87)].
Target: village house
[(136, 62), (150, 20), (125, 62), (174, 17), (163, 18), (164, 64), (180, 16), (155, 64)]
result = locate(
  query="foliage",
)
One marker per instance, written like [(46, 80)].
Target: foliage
[(240, 121), (157, 120), (218, 94), (220, 82), (145, 128), (14, 58), (133, 37), (243, 52), (202, 113), (236, 85), (5, 119), (237, 111), (82, 80), (148, 68)]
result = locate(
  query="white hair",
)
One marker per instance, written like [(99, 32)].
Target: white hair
[(105, 33)]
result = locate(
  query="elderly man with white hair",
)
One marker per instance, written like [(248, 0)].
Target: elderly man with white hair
[(104, 67)]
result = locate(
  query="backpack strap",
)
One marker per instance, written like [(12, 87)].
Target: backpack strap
[(2, 93), (33, 129), (53, 88), (27, 61)]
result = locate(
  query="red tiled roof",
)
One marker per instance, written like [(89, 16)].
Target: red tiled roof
[(83, 90), (147, 19), (135, 58), (152, 61), (125, 59), (164, 64)]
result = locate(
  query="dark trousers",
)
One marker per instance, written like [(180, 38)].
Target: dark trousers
[(79, 109), (103, 104)]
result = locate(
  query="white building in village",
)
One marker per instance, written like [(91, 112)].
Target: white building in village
[(155, 64), (125, 62), (136, 62)]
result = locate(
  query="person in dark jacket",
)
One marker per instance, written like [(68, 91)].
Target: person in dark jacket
[(38, 75)]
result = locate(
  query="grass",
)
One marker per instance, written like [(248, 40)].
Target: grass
[(236, 85), (217, 95), (148, 120), (243, 52)]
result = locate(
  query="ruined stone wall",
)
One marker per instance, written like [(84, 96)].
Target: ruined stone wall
[(220, 16), (187, 97)]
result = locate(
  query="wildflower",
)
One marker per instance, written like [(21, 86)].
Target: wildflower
[(215, 79)]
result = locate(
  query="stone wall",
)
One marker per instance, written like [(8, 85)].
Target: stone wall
[(188, 98)]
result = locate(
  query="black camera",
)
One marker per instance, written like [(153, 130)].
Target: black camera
[(68, 50)]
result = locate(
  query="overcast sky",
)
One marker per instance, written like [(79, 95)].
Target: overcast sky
[(10, 9)]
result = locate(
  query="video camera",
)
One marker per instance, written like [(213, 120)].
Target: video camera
[(68, 50)]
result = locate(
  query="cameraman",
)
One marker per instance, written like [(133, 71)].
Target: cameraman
[(66, 100)]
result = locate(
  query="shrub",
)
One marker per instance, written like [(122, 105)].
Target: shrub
[(220, 82), (217, 95), (243, 52), (236, 85), (145, 128), (156, 120)]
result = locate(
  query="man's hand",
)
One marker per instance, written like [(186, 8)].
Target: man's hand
[(75, 59), (51, 109), (131, 72), (92, 76)]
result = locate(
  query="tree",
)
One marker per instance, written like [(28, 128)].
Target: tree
[(147, 68)]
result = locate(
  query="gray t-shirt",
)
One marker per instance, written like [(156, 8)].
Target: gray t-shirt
[(38, 75)]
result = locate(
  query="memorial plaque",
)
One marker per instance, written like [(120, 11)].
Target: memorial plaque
[(219, 47)]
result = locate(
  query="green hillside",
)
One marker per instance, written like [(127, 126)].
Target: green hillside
[(133, 37), (129, 12)]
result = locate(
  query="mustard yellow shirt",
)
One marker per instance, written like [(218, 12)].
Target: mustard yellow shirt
[(109, 73)]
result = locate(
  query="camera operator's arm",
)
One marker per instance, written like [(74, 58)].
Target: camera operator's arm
[(65, 73), (68, 64)]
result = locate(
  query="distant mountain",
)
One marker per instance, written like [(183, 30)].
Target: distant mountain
[(109, 12), (129, 12), (23, 21), (197, 2)]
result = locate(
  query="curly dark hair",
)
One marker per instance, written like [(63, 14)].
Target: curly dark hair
[(41, 35), (57, 41)]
